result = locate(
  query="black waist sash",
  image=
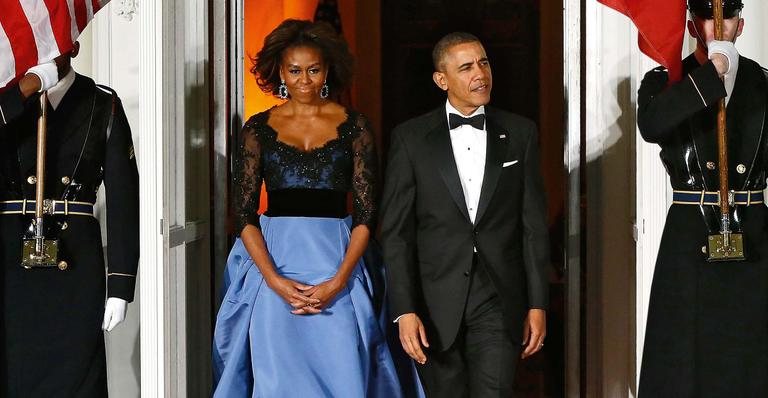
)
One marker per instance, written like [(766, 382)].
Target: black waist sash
[(301, 202)]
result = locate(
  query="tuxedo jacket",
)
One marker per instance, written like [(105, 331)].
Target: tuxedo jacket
[(429, 240)]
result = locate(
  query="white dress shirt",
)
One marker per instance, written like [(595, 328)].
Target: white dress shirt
[(57, 92), (469, 146)]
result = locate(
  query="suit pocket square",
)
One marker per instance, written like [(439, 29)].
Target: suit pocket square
[(507, 164)]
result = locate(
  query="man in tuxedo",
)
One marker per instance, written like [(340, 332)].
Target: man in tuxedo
[(464, 233)]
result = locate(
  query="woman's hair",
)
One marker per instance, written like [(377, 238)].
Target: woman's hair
[(293, 33)]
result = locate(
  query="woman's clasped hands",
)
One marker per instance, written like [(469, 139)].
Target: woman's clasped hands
[(306, 299)]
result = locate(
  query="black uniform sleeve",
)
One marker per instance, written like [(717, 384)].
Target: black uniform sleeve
[(660, 109), (364, 176), (11, 105), (247, 179), (121, 181)]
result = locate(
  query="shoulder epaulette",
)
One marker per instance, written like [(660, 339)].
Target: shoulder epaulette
[(106, 89), (113, 94)]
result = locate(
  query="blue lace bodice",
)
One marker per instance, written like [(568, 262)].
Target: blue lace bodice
[(347, 163)]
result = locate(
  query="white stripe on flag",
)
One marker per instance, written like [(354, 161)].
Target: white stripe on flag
[(8, 65), (89, 8), (73, 21), (37, 15)]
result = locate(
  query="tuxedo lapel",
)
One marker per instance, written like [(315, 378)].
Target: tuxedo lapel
[(494, 156), (440, 140)]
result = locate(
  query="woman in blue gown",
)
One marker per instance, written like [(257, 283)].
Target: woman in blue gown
[(297, 318)]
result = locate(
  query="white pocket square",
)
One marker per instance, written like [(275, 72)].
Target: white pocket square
[(507, 164)]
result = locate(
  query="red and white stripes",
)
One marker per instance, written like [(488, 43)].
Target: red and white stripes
[(37, 31)]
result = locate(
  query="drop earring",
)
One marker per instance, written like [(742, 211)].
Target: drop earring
[(282, 90), (324, 91)]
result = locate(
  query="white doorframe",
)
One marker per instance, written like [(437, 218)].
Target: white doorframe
[(153, 115)]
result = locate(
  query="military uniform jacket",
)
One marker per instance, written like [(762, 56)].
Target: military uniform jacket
[(52, 319), (707, 328), (11, 104), (682, 120)]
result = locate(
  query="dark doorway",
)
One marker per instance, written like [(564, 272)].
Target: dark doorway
[(508, 29), (524, 42)]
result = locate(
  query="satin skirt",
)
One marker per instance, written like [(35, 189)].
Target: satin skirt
[(262, 350)]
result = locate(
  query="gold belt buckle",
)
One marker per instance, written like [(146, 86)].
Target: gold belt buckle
[(40, 253), (725, 247)]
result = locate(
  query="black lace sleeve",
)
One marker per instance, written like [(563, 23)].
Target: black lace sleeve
[(247, 181), (364, 175)]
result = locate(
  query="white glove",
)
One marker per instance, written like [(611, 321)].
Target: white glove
[(48, 74), (727, 49), (114, 313)]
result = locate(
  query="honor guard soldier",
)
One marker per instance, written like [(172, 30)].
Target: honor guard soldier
[(707, 329), (54, 305)]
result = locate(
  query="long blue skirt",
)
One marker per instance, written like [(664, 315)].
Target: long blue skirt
[(262, 350)]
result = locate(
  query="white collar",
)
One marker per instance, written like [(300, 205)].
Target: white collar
[(57, 92), (450, 109)]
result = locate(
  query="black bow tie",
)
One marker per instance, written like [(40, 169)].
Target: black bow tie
[(456, 121)]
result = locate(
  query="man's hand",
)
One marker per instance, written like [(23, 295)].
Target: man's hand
[(114, 313), (29, 84), (47, 74), (723, 55), (413, 336), (534, 331)]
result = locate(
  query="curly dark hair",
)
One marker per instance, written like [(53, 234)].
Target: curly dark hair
[(293, 33)]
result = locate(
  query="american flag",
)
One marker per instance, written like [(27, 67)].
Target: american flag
[(36, 31), (661, 29)]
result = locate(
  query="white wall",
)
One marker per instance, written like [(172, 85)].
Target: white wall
[(753, 43), (609, 146)]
